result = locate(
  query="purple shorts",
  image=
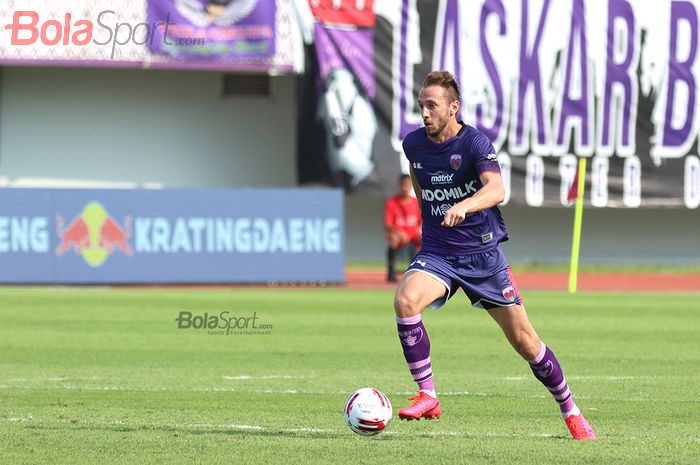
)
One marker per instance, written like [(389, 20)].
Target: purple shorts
[(485, 277)]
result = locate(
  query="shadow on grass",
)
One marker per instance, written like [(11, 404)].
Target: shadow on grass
[(202, 431), (244, 432)]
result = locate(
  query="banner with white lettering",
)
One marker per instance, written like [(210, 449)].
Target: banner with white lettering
[(171, 236), (548, 81)]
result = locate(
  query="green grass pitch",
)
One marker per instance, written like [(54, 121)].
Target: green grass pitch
[(103, 376)]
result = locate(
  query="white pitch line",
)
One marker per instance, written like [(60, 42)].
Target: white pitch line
[(423, 433), (576, 378), (464, 393), (66, 387), (230, 426), (311, 430), (272, 391), (54, 378), (412, 433), (248, 377), (315, 393), (260, 428)]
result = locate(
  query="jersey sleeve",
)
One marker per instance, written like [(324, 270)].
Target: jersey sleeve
[(405, 150), (484, 155)]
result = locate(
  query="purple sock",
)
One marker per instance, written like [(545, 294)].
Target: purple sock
[(546, 369), (416, 349)]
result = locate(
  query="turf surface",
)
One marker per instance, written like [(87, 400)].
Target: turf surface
[(104, 376)]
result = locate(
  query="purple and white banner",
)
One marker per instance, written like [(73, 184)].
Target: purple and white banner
[(224, 30), (548, 81)]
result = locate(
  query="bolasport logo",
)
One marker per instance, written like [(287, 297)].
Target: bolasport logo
[(29, 28), (224, 324)]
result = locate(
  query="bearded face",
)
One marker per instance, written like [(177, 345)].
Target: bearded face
[(436, 109)]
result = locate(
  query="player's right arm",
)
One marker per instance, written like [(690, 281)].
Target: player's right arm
[(491, 194)]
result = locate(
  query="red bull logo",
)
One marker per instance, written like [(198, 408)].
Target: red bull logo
[(94, 235)]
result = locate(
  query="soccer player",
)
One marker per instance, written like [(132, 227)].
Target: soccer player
[(402, 222), (457, 177)]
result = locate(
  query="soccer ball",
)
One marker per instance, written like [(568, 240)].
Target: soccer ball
[(367, 411)]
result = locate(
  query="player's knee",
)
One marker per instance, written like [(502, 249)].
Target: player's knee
[(526, 344), (406, 304)]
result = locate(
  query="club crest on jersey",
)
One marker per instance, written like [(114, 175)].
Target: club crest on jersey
[(456, 161), (509, 293), (411, 337)]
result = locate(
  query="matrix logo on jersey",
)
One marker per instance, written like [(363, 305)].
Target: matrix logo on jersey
[(441, 177), (454, 193), (94, 235)]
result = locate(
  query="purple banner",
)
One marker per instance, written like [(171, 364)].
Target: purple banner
[(345, 87), (213, 30)]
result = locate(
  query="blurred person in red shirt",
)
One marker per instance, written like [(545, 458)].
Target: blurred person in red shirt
[(403, 224)]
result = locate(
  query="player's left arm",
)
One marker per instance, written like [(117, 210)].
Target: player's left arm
[(416, 185), (491, 194)]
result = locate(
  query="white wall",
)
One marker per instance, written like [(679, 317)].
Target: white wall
[(174, 128), (610, 236), (124, 125)]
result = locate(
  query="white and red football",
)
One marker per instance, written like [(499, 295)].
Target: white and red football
[(367, 411)]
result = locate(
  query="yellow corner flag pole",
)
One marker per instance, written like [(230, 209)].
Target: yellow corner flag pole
[(578, 216)]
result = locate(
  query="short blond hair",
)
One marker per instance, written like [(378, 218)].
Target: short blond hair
[(443, 79)]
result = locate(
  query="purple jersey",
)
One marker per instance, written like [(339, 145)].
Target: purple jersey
[(448, 173)]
